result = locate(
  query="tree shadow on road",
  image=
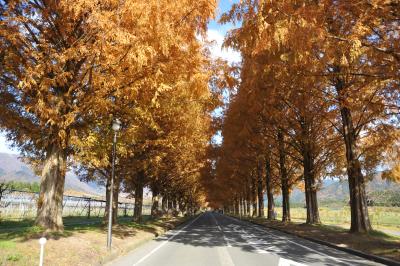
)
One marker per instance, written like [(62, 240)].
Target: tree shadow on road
[(238, 234)]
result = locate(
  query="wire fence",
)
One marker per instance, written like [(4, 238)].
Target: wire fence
[(20, 205), (379, 216)]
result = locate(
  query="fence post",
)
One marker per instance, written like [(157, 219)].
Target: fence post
[(125, 211), (88, 215)]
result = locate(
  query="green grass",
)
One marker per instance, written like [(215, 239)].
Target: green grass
[(7, 244), (14, 257), (10, 230), (383, 235), (381, 217)]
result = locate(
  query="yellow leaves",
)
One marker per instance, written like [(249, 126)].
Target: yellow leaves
[(284, 57), (281, 32), (302, 22), (343, 61), (63, 137), (164, 87), (138, 60), (355, 50), (154, 101), (393, 174)]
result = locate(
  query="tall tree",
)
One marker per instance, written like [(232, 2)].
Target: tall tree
[(67, 64)]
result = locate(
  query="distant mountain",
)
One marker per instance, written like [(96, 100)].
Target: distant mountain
[(338, 190), (14, 169)]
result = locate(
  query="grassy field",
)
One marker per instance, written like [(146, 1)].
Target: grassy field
[(82, 242), (381, 217)]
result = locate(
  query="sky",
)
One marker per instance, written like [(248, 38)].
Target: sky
[(4, 145), (216, 33)]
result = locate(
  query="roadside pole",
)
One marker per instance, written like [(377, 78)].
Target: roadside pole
[(42, 242)]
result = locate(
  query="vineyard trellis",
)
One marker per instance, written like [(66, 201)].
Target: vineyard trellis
[(19, 205)]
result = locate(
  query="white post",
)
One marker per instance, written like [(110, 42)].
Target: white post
[(42, 242)]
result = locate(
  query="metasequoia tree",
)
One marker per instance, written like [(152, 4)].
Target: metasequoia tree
[(340, 56), (67, 64), (46, 62)]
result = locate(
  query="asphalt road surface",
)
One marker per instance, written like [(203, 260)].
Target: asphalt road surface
[(215, 239)]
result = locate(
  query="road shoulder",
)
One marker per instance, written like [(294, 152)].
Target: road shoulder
[(375, 247)]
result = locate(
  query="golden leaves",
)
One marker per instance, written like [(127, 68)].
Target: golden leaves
[(343, 61), (304, 63), (355, 50), (281, 32), (80, 63)]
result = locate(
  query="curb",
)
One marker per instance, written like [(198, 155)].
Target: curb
[(358, 253)]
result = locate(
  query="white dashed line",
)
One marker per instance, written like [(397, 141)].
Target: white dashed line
[(223, 254), (166, 241)]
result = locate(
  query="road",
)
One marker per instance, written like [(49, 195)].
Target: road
[(215, 239)]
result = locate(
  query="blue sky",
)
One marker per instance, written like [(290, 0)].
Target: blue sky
[(216, 33), (223, 7)]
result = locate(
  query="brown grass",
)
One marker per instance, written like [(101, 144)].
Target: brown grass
[(83, 246)]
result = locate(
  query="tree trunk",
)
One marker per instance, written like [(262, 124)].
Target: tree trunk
[(270, 194), (236, 202), (247, 197), (164, 203), (308, 173), (358, 200), (254, 195), (310, 189), (243, 206), (137, 212), (169, 203), (49, 211), (260, 189), (248, 208), (182, 206), (284, 179), (154, 206)]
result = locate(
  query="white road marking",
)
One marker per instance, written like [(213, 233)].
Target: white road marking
[(228, 244), (223, 254), (286, 262), (254, 245), (166, 241), (300, 245), (286, 239)]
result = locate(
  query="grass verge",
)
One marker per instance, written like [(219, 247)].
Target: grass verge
[(83, 241)]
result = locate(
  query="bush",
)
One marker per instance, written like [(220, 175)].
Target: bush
[(25, 186)]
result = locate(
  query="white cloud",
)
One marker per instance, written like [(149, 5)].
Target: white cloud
[(216, 49)]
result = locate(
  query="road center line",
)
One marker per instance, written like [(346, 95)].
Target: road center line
[(166, 241), (223, 234), (223, 254)]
